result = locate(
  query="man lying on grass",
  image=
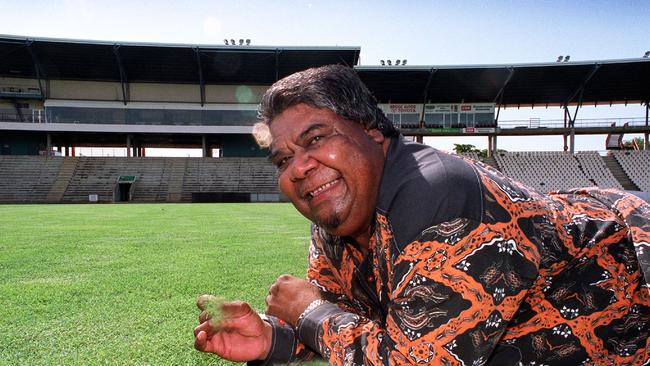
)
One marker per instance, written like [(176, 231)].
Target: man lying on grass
[(420, 257)]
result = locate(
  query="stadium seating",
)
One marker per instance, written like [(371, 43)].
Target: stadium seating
[(596, 171), (545, 171), (228, 175), (636, 164), (74, 179), (27, 178), (98, 175)]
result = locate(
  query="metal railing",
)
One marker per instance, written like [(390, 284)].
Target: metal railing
[(40, 116), (27, 116), (580, 123)]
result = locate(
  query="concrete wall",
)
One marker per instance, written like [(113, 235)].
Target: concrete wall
[(151, 92), (19, 82), (85, 90), (234, 93)]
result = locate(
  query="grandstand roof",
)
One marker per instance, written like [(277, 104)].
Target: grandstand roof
[(556, 83), (605, 81), (171, 63)]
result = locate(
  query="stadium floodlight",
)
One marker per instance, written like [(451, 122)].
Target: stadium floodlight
[(567, 58), (559, 58), (382, 62), (248, 42), (241, 42), (232, 42), (389, 62), (225, 41), (397, 62), (646, 54)]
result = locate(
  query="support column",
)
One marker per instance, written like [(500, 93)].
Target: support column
[(207, 151), (645, 143), (572, 127), (494, 143), (489, 148), (72, 150), (128, 146), (67, 151), (48, 149), (566, 146)]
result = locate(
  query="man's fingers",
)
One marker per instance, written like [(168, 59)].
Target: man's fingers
[(200, 340), (204, 317), (235, 309), (204, 327), (203, 344), (213, 344), (202, 300), (231, 309)]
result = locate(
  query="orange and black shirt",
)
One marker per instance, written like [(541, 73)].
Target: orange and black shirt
[(468, 267)]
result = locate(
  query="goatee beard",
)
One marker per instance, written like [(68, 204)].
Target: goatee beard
[(330, 223)]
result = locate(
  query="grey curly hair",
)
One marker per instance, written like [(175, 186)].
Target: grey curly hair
[(335, 87)]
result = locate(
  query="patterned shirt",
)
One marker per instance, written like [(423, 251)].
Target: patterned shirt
[(469, 267)]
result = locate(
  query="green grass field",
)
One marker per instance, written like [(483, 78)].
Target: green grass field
[(116, 284)]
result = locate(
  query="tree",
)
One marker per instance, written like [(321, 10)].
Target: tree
[(465, 148), (636, 143)]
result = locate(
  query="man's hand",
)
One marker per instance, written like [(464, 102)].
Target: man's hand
[(238, 335), (289, 296)]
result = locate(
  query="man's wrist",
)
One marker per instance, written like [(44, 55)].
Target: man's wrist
[(308, 327), (312, 305), (282, 343), (268, 340)]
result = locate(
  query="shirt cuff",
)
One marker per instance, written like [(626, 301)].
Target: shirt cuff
[(310, 325), (283, 343)]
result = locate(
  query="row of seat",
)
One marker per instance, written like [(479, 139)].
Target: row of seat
[(37, 178), (43, 179), (636, 165), (549, 171)]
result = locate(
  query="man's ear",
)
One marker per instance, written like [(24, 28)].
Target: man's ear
[(375, 135)]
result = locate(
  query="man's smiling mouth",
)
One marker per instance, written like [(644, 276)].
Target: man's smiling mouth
[(318, 190)]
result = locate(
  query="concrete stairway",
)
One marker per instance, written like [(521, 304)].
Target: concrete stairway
[(619, 174), (66, 171), (176, 175)]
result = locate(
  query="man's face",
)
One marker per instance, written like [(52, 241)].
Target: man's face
[(329, 167)]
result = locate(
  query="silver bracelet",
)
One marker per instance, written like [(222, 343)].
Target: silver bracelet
[(313, 305)]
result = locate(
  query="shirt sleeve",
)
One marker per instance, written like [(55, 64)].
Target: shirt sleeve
[(450, 301), (286, 348)]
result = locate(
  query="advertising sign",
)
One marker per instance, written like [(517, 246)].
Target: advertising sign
[(401, 108)]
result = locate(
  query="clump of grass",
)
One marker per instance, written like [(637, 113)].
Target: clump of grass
[(213, 307)]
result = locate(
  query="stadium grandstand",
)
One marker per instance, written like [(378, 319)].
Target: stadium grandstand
[(57, 96)]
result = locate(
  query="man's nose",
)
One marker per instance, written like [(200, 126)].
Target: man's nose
[(301, 165)]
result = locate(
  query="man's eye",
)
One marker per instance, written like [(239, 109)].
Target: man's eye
[(282, 162), (315, 139)]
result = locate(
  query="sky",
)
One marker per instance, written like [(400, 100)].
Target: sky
[(423, 32)]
